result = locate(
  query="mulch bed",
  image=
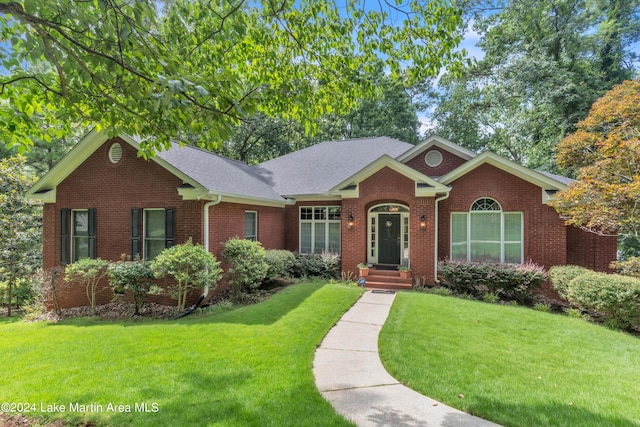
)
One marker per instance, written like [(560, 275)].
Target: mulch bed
[(112, 311)]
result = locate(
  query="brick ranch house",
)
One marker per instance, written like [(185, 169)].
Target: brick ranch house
[(374, 200)]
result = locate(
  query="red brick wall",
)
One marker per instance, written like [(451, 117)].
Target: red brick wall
[(544, 231), (226, 221), (449, 163), (135, 183), (388, 186), (590, 250)]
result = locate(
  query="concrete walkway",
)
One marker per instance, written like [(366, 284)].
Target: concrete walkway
[(350, 375)]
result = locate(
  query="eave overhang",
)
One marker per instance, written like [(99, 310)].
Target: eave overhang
[(548, 185), (424, 185)]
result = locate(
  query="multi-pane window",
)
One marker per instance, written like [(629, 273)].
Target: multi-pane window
[(251, 225), (79, 234), (154, 232), (486, 233), (320, 229)]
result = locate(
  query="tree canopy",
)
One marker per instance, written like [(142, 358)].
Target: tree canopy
[(156, 69), (545, 64), (391, 113), (605, 152)]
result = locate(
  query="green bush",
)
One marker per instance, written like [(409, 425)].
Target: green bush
[(192, 267), (511, 282), (88, 272), (561, 275), (280, 262), (247, 264), (628, 267), (614, 295), (134, 277), (326, 265)]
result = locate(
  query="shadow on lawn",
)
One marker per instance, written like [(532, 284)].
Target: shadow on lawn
[(264, 313), (548, 414)]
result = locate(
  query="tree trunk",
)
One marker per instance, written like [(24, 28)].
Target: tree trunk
[(10, 288)]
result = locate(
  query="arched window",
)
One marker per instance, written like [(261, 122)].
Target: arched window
[(487, 234)]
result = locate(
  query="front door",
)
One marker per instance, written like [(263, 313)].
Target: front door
[(389, 238)]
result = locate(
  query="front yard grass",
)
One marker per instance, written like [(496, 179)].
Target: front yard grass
[(248, 366), (513, 365)]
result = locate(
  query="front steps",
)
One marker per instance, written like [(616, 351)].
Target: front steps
[(387, 279)]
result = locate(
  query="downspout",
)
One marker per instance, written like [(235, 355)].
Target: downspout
[(435, 248), (206, 230)]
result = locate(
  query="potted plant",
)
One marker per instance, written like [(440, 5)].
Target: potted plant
[(364, 269), (405, 272)]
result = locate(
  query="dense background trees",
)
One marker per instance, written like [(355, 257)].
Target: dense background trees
[(545, 64)]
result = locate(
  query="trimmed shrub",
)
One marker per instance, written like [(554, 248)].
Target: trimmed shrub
[(614, 295), (134, 277), (629, 267), (327, 265), (512, 282), (192, 267), (561, 275), (88, 272), (248, 265), (280, 262)]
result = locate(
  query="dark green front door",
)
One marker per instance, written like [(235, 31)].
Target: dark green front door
[(389, 239)]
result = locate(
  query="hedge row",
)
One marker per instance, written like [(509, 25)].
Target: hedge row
[(509, 282), (613, 295)]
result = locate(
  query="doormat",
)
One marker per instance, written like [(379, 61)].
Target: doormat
[(379, 291)]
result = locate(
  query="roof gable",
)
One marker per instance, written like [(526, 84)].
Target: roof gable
[(547, 182), (206, 175), (436, 141), (425, 186)]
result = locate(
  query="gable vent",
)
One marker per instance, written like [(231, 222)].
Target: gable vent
[(433, 158), (115, 153)]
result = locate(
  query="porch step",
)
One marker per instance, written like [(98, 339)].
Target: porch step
[(387, 279), (388, 285)]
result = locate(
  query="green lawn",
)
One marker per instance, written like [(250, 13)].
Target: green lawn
[(514, 366), (249, 366)]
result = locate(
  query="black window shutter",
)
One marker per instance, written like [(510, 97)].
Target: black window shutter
[(135, 233), (169, 227), (92, 234), (64, 236)]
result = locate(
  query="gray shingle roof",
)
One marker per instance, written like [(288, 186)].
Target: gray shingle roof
[(317, 169), (562, 179), (219, 174)]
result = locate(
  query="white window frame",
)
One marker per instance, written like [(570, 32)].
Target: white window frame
[(313, 221), (144, 230), (73, 231), (253, 238), (502, 240)]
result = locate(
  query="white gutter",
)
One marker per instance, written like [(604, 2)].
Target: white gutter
[(206, 230), (435, 249)]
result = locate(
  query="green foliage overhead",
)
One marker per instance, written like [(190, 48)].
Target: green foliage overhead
[(192, 267), (20, 225), (160, 68)]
